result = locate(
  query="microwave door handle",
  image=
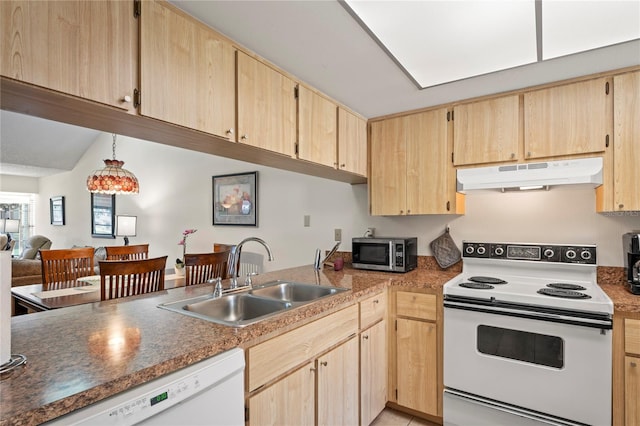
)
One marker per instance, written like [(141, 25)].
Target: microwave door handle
[(391, 255)]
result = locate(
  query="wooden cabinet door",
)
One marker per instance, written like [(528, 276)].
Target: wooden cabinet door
[(352, 143), (388, 178), (428, 164), (337, 373), (571, 119), (416, 365), (632, 391), (187, 71), (288, 401), (486, 131), (317, 128), (84, 48), (266, 106), (373, 372), (626, 142)]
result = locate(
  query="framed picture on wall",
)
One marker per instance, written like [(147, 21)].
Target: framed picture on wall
[(56, 210), (103, 215), (235, 199)]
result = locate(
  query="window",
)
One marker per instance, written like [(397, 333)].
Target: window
[(19, 206)]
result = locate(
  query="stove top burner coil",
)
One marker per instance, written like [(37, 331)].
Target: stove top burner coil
[(566, 286), (566, 294), (487, 280), (477, 286)]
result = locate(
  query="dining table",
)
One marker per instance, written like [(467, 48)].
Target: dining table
[(33, 298)]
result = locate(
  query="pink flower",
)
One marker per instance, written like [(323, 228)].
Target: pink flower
[(183, 241)]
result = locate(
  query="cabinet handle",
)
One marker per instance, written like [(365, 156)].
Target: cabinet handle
[(376, 301), (513, 155), (365, 337), (448, 205), (126, 99), (401, 211), (244, 137), (621, 206), (312, 369), (323, 363), (529, 154), (335, 164), (408, 211), (342, 165), (633, 364), (230, 131)]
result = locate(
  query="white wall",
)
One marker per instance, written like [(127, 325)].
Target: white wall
[(24, 184), (175, 194)]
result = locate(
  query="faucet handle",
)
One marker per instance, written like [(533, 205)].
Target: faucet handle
[(217, 291), (247, 280)]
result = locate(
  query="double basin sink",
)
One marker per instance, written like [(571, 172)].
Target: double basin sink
[(251, 306)]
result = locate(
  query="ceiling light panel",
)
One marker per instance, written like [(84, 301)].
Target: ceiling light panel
[(575, 26), (442, 41)]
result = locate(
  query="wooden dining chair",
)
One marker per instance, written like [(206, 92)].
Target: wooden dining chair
[(123, 278), (133, 252), (61, 268), (205, 266), (231, 250)]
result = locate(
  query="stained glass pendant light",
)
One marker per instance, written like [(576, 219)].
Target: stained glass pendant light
[(113, 179)]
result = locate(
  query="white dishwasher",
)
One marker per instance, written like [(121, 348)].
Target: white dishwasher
[(210, 392)]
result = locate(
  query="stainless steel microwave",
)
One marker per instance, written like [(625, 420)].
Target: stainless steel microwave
[(385, 254)]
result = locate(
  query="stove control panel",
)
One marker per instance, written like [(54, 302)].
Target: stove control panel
[(584, 254)]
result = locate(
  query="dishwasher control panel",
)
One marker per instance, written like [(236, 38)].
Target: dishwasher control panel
[(184, 396)]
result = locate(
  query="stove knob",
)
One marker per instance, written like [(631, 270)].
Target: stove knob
[(499, 251), (571, 254), (481, 250), (585, 254), (548, 253), (469, 250)]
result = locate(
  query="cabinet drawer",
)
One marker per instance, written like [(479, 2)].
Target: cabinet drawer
[(274, 357), (416, 305), (373, 309), (632, 336)]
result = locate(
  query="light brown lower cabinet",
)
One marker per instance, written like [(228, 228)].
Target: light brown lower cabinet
[(337, 376), (632, 390), (373, 372), (415, 356), (289, 401), (292, 400), (417, 369)]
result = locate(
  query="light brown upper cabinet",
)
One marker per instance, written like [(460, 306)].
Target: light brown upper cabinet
[(352, 143), (266, 106), (626, 141), (317, 128), (487, 131), (83, 48), (388, 177), (187, 71), (411, 171), (571, 119)]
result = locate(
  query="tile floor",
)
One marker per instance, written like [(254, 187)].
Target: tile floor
[(390, 417)]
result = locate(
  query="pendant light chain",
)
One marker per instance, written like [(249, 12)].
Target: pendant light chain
[(114, 146)]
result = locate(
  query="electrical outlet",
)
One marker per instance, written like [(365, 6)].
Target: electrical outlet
[(337, 234), (307, 221)]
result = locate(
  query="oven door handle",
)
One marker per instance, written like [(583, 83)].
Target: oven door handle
[(532, 314)]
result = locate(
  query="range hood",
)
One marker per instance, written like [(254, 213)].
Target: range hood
[(532, 175)]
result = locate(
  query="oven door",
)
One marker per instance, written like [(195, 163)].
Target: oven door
[(556, 368)]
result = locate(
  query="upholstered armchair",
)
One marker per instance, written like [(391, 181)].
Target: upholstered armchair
[(27, 268)]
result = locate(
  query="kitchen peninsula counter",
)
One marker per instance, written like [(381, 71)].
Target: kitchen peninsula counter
[(82, 354)]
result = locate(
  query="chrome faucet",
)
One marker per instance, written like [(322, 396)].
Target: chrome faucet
[(235, 260)]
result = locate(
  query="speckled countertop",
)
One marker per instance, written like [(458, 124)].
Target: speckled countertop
[(82, 354)]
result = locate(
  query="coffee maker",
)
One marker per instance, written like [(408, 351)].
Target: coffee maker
[(631, 248)]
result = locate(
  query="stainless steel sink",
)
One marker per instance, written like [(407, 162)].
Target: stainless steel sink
[(294, 292), (235, 309), (259, 303)]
